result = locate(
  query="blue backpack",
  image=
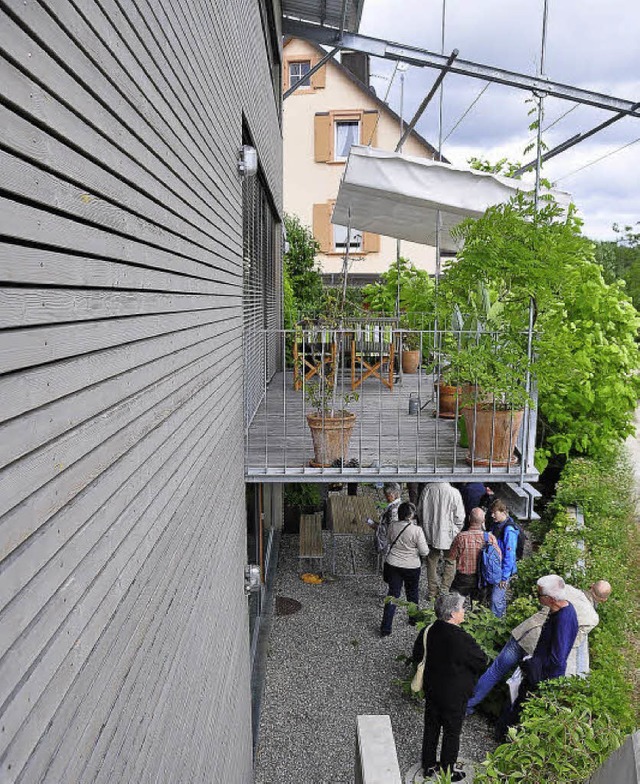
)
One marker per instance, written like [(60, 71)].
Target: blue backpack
[(489, 564)]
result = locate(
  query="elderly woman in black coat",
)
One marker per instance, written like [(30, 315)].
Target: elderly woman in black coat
[(453, 665)]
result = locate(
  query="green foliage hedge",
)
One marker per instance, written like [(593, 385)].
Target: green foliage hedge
[(572, 725)]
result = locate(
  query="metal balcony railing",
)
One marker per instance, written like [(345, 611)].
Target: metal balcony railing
[(406, 424)]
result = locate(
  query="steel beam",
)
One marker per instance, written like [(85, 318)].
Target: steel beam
[(378, 47), (426, 101), (310, 73), (579, 137)]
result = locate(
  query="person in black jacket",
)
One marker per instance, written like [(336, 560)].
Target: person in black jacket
[(454, 663)]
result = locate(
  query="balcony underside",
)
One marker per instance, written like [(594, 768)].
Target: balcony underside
[(388, 442)]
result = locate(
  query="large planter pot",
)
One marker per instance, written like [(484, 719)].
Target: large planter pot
[(492, 435), (447, 397), (411, 360), (331, 436)]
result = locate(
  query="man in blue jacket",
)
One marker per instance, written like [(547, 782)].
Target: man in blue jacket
[(550, 655), (506, 533)]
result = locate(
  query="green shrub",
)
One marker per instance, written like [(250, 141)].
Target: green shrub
[(572, 724), (564, 735)]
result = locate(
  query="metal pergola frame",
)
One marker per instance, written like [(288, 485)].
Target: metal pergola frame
[(423, 58)]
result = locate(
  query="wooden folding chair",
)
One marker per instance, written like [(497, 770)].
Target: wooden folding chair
[(372, 353), (314, 353)]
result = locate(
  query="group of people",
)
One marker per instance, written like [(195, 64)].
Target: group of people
[(448, 525), (549, 644)]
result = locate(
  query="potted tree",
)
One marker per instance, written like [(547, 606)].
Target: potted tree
[(411, 350), (330, 421), (493, 403), (490, 358)]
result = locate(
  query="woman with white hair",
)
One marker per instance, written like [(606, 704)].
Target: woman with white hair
[(453, 664)]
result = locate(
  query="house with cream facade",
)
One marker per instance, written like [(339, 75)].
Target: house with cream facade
[(321, 119)]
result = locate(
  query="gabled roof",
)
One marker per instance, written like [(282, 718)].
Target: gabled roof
[(371, 94), (327, 13)]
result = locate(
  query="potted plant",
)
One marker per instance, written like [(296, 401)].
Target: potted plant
[(299, 498), (411, 350), (495, 366), (330, 422)]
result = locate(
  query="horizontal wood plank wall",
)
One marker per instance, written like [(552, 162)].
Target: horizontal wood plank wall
[(124, 653)]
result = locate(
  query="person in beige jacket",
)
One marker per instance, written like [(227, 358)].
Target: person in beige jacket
[(441, 515), (524, 638)]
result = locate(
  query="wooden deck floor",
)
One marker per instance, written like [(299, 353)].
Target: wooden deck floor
[(388, 442)]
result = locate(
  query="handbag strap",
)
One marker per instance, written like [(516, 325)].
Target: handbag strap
[(424, 644), (398, 536)]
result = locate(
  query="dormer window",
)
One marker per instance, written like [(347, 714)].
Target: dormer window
[(298, 73)]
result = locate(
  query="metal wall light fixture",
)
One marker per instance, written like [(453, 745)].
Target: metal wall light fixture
[(247, 161)]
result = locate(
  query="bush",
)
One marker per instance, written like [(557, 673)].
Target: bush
[(572, 725)]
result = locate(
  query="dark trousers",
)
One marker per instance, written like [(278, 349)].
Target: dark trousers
[(510, 716), (415, 488), (447, 719), (398, 577), (465, 584)]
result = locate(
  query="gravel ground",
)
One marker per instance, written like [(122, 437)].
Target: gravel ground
[(326, 664)]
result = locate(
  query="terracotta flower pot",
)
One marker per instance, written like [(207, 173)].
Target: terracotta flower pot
[(331, 436), (411, 360), (447, 396), (492, 435)]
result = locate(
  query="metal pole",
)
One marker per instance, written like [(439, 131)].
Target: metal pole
[(427, 98), (571, 142), (540, 106), (399, 149)]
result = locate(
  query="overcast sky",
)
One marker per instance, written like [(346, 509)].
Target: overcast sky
[(593, 44)]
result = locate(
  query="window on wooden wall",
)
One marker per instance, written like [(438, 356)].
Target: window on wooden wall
[(332, 238), (335, 132)]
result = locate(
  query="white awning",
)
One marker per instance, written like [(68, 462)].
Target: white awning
[(399, 196)]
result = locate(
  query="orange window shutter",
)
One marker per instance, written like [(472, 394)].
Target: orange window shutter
[(322, 137), (322, 229), (369, 128), (370, 242), (319, 78)]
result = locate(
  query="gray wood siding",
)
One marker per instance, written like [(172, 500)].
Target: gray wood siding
[(124, 652)]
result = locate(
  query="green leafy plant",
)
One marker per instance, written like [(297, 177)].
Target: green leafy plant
[(416, 293), (572, 725), (563, 737), (303, 495), (585, 344), (302, 268), (325, 399)]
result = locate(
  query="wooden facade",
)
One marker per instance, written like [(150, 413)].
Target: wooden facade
[(125, 643)]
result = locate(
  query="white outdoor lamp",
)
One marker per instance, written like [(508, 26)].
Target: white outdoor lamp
[(248, 161)]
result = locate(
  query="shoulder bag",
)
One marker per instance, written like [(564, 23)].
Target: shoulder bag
[(418, 679)]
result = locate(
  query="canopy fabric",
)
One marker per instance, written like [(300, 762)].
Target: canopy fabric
[(399, 196)]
